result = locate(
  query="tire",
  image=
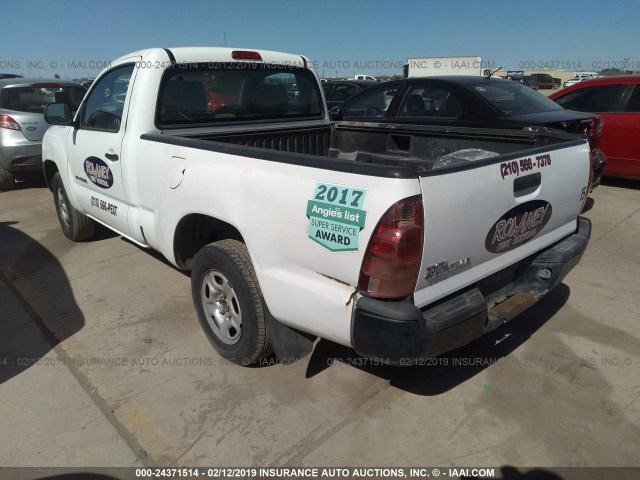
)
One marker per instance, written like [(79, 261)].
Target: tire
[(229, 304), (75, 226), (7, 180)]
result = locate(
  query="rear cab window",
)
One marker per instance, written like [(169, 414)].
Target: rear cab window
[(207, 94), (36, 97)]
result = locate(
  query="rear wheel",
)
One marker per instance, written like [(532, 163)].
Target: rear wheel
[(7, 179), (75, 225), (228, 301)]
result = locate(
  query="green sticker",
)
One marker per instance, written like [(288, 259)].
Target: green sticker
[(336, 216)]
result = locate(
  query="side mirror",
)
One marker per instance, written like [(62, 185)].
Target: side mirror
[(58, 114), (335, 113)]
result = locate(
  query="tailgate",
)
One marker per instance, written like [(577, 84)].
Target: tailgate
[(487, 215)]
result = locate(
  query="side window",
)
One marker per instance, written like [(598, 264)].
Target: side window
[(603, 98), (430, 101), (105, 105), (373, 103), (342, 92), (633, 105)]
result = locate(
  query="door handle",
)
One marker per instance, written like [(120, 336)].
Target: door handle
[(112, 156)]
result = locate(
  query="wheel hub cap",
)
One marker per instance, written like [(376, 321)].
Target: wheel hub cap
[(62, 207), (221, 307)]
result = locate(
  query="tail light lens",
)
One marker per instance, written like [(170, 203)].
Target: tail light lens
[(586, 194), (7, 122), (245, 55), (392, 261), (593, 130)]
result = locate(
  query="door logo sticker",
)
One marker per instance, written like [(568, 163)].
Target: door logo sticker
[(518, 226), (98, 172), (336, 216)]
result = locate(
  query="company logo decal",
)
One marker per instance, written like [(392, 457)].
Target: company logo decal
[(518, 226), (98, 172)]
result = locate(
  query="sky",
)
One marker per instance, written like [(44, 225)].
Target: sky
[(77, 39)]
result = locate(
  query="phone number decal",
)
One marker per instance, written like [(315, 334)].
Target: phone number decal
[(524, 165)]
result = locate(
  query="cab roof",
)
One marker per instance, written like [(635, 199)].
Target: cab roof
[(215, 54)]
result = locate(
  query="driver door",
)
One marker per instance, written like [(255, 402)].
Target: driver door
[(95, 154)]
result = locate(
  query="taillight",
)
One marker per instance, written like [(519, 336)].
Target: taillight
[(245, 55), (392, 261), (7, 122), (593, 130), (588, 186)]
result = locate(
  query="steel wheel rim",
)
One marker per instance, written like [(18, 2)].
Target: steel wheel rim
[(62, 208), (221, 307)]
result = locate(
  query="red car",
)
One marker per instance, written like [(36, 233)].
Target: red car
[(617, 100)]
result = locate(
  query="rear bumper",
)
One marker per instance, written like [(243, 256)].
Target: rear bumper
[(399, 332), (21, 156)]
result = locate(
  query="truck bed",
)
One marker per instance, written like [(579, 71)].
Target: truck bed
[(414, 147)]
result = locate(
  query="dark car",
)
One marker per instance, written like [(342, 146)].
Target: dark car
[(545, 80), (337, 91), (617, 100), (526, 80), (9, 75), (529, 81), (473, 102)]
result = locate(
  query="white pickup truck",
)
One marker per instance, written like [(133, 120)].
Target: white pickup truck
[(400, 241)]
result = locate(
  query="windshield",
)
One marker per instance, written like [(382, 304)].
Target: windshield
[(35, 99), (237, 92), (513, 98)]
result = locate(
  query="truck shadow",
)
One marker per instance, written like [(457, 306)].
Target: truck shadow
[(38, 307), (588, 205), (511, 473), (560, 473), (79, 474), (438, 375), (155, 255)]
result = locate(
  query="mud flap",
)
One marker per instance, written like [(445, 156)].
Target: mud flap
[(288, 343)]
